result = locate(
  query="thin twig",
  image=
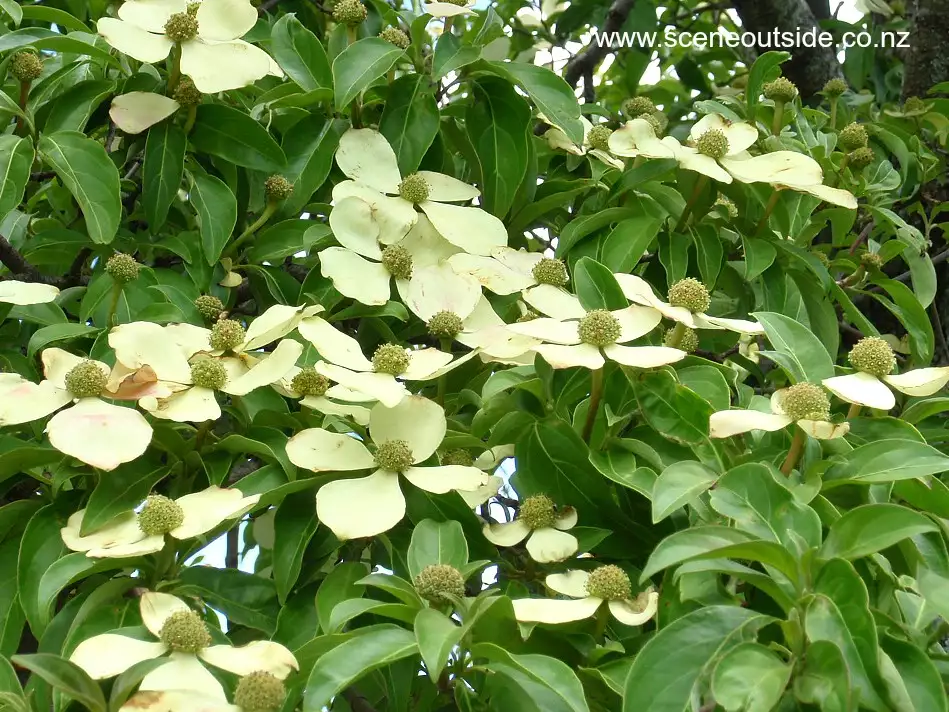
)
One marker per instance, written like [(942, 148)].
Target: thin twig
[(940, 334), (862, 237), (11, 258), (588, 60)]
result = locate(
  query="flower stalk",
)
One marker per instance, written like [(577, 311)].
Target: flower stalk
[(596, 394)]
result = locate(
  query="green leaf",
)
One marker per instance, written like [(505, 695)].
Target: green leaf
[(74, 107), (552, 96), (435, 635), (825, 679), (17, 456), (451, 54), (918, 673), (87, 172), (162, 171), (53, 333), (497, 123), (234, 136), (437, 543), (300, 54), (125, 684), (53, 15), (709, 253), (246, 599), (125, 488), (360, 64), (65, 676), (888, 461), (287, 238), (41, 38), (348, 662), (217, 213), (410, 120), (339, 585), (40, 547), (652, 169), (551, 684), (935, 589), (596, 287), (798, 351), (750, 678), (16, 157), (310, 145), (759, 255), (13, 9), (294, 525), (763, 70), (906, 307), (673, 410), (678, 485), (870, 528), (584, 225), (625, 246), (666, 669)]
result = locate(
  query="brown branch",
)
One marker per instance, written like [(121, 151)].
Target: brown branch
[(11, 258), (357, 702), (586, 62), (232, 558)]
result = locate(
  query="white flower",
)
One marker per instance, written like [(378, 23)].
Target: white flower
[(93, 431), (213, 56), (725, 423), (574, 337), (25, 293), (192, 515), (328, 402), (579, 586), (448, 9), (366, 157), (508, 270), (490, 336), (439, 289), (403, 437), (542, 526), (136, 111), (183, 635), (556, 138)]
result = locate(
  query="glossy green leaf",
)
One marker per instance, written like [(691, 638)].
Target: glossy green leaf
[(162, 171), (300, 54), (16, 157), (451, 54), (310, 145), (678, 485), (360, 64), (888, 461), (123, 490), (798, 351), (410, 120), (294, 525), (339, 585), (550, 683), (244, 598), (72, 109), (436, 543), (436, 635), (764, 69), (870, 528), (64, 676), (596, 287), (217, 213), (234, 136), (824, 679), (55, 333), (750, 678), (673, 410)]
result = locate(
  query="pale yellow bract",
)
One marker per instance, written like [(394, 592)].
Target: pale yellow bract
[(545, 545), (726, 423), (580, 605)]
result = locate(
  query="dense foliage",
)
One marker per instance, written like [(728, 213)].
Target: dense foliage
[(349, 362)]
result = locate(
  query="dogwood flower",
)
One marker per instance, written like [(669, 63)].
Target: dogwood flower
[(508, 270), (595, 142), (443, 299), (403, 436), (184, 637), (207, 33), (544, 528), (135, 534), (23, 294), (449, 8), (366, 157), (873, 359), (317, 391), (588, 590), (805, 404), (488, 334), (93, 431), (572, 336)]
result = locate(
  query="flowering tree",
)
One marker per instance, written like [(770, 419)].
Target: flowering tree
[(350, 363)]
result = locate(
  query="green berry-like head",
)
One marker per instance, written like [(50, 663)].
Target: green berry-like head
[(599, 138), (457, 457), (835, 87), (210, 307), (445, 325), (609, 583), (459, 3), (550, 271), (391, 359), (394, 456), (309, 383), (781, 90), (861, 158), (277, 188), (86, 380), (873, 355), (599, 328), (159, 515), (398, 261), (260, 692), (436, 583), (349, 12), (208, 373), (181, 27), (122, 267), (914, 106), (852, 137), (227, 334), (537, 512), (688, 342), (186, 93), (871, 260), (393, 35), (658, 121), (806, 401), (414, 188), (26, 66), (185, 632), (690, 294), (713, 143), (635, 107)]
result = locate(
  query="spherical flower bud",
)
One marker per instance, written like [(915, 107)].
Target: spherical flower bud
[(209, 307), (122, 267), (729, 206), (599, 138), (861, 158), (914, 105), (690, 294), (835, 87), (537, 512), (260, 692), (160, 515), (445, 325), (398, 261), (437, 582), (86, 380), (657, 121), (26, 66), (609, 583), (391, 359), (599, 328), (636, 106), (185, 632), (393, 35), (181, 27), (871, 260), (186, 93), (227, 334), (277, 188), (780, 90), (414, 188), (394, 456), (852, 137), (310, 383), (713, 143), (550, 271), (688, 341), (806, 401), (208, 373), (349, 12), (457, 457), (740, 82), (873, 355)]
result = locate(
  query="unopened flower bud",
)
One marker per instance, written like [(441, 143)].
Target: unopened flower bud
[(86, 380), (160, 515), (398, 261), (414, 188), (852, 137), (309, 383), (550, 271), (122, 267), (599, 138), (861, 158), (713, 143), (26, 66), (636, 106), (277, 188), (260, 692), (227, 334), (806, 401), (780, 90), (688, 341), (873, 355), (599, 328), (690, 294), (186, 93), (835, 87), (457, 457), (208, 373), (871, 260), (394, 456), (181, 27), (537, 512), (185, 632), (349, 12), (209, 307), (436, 583), (393, 35), (391, 359), (445, 325)]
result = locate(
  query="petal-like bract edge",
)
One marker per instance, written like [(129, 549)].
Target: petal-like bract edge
[(362, 507), (726, 423), (22, 401), (13, 291), (374, 386), (583, 355), (474, 230), (920, 382), (571, 583), (134, 41), (270, 369), (444, 479), (552, 331), (319, 450), (366, 156), (259, 655), (144, 343), (636, 321), (506, 533), (223, 20), (183, 671), (100, 434), (445, 189), (222, 66), (354, 226), (548, 545), (107, 655), (333, 345), (156, 607), (136, 111), (625, 612), (439, 288), (150, 15), (192, 405), (554, 302), (862, 389), (205, 510), (355, 276), (549, 610), (644, 356), (417, 421), (492, 274)]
